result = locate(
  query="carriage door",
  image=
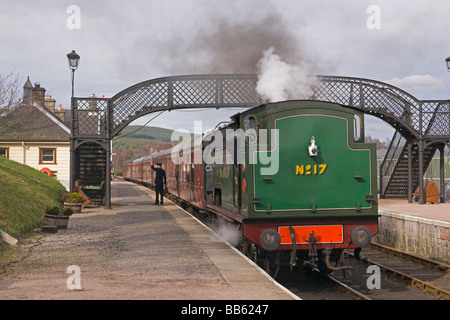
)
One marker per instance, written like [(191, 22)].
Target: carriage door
[(177, 179), (236, 175)]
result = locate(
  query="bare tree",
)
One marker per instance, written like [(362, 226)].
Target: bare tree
[(11, 93)]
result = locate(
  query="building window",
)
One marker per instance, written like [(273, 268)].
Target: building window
[(4, 153), (47, 156)]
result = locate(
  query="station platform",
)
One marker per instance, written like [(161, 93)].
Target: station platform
[(138, 251), (236, 276), (419, 229)]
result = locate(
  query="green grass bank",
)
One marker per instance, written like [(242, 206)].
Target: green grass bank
[(25, 193)]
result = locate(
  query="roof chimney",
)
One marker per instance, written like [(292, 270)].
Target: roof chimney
[(50, 103), (60, 113), (39, 94), (28, 92)]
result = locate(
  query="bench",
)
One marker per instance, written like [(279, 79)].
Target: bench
[(95, 192)]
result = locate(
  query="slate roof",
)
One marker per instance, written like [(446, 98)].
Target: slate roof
[(32, 123)]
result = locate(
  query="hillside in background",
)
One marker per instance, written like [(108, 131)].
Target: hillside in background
[(146, 132), (138, 141)]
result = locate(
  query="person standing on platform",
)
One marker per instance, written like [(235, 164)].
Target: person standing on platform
[(160, 182)]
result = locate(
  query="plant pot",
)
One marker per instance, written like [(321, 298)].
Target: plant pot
[(60, 222), (76, 207)]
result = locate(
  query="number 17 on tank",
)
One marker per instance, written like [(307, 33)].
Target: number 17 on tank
[(307, 170)]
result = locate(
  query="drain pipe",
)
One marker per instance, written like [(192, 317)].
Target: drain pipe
[(25, 148)]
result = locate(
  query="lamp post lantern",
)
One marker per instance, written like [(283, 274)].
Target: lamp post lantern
[(447, 62), (74, 61)]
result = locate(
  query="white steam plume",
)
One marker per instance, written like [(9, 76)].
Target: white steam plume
[(279, 80), (228, 233)]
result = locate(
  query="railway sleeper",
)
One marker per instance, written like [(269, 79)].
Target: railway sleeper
[(411, 280)]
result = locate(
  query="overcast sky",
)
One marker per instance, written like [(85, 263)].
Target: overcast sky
[(122, 43)]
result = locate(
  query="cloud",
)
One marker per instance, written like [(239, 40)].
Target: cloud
[(377, 128), (125, 42), (417, 84)]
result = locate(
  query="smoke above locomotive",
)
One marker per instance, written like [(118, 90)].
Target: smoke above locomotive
[(284, 73), (277, 81), (217, 40), (235, 43)]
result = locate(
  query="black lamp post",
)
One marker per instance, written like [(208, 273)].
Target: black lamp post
[(447, 62), (74, 61)]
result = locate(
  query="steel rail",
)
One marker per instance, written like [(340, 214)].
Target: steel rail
[(349, 289), (414, 282), (436, 264)]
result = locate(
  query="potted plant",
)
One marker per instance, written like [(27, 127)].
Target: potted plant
[(73, 201), (57, 217)]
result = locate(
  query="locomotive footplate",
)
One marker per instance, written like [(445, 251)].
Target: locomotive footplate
[(337, 233)]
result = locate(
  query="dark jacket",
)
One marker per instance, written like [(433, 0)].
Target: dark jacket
[(160, 177)]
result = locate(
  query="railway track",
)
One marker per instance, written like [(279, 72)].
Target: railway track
[(429, 277), (381, 274), (348, 289), (400, 277), (386, 274)]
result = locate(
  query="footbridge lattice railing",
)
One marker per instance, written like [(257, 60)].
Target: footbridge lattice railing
[(99, 120)]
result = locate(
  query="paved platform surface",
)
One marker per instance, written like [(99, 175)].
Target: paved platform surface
[(243, 279), (137, 250), (439, 212)]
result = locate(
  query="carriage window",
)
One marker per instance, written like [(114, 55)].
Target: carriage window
[(250, 128)]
